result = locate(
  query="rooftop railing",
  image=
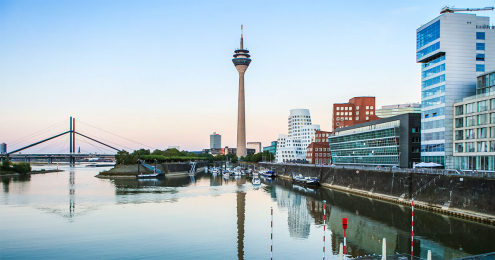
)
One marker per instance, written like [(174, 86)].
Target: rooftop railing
[(492, 93)]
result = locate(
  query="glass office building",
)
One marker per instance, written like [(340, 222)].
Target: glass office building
[(393, 141), (453, 50), (272, 148)]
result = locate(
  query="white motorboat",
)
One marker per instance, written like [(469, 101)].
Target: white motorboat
[(256, 181)]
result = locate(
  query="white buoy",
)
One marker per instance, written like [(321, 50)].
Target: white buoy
[(429, 254), (341, 251), (384, 249)]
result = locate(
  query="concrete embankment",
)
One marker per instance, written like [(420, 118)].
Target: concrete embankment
[(462, 196), (130, 171)]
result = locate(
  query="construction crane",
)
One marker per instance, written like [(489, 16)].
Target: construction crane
[(452, 10)]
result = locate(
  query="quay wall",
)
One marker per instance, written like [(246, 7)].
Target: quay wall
[(465, 193)]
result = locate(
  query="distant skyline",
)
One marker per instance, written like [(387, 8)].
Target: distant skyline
[(160, 72)]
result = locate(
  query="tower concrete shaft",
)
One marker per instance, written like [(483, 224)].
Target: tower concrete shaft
[(241, 61)]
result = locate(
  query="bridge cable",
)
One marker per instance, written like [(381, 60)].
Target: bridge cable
[(96, 137), (49, 146), (115, 134), (36, 133), (96, 146)]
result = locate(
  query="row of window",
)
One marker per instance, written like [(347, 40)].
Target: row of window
[(350, 113), (319, 155), (480, 106), (486, 81), (481, 163), (475, 120), (437, 60), (371, 160), (428, 34), (433, 101), (433, 112), (433, 71), (433, 124), (433, 81), (433, 136), (350, 108), (394, 150), (472, 147), (481, 133), (350, 118), (435, 159), (480, 67), (428, 50), (433, 91), (432, 148)]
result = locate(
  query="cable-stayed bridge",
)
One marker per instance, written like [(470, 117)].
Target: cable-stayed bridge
[(105, 149)]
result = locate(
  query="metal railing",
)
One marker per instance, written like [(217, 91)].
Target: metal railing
[(453, 172)]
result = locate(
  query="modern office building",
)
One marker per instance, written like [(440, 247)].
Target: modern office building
[(301, 132), (241, 62), (254, 145), (392, 141), (398, 109), (357, 110), (272, 148), (474, 127), (215, 140), (318, 152), (234, 151), (453, 49), (3, 148)]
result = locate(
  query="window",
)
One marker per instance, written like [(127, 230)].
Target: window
[(459, 110), (346, 113), (470, 108), (492, 146), (482, 147), (433, 81), (357, 112), (481, 133), (470, 121), (480, 67), (346, 108), (350, 113), (371, 107), (480, 46), (433, 91), (459, 135), (338, 108), (470, 148), (371, 112), (483, 119), (428, 50), (428, 34), (480, 35), (492, 118), (433, 101), (357, 117), (430, 63), (492, 102), (367, 118), (357, 108), (415, 130), (367, 107), (469, 134), (459, 147), (459, 122), (480, 57), (350, 108), (367, 112), (433, 71), (483, 106)]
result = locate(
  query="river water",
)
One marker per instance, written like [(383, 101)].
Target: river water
[(73, 215)]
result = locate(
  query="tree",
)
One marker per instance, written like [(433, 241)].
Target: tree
[(22, 167), (6, 165)]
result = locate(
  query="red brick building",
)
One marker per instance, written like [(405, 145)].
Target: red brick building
[(358, 110), (318, 152)]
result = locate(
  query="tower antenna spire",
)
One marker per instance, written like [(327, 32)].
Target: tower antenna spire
[(242, 39)]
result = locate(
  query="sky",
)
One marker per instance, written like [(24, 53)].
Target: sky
[(159, 73)]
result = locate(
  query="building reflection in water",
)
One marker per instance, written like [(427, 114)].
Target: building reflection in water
[(72, 193), (241, 214), (299, 219)]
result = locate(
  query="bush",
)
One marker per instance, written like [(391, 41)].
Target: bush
[(6, 165), (22, 167)]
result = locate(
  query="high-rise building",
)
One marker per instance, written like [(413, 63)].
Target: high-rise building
[(453, 49), (215, 140), (301, 132), (3, 148), (255, 145), (474, 127), (398, 109), (241, 61), (357, 110)]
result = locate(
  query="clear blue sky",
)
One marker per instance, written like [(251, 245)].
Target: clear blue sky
[(160, 72)]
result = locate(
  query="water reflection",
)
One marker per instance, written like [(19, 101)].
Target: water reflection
[(241, 214)]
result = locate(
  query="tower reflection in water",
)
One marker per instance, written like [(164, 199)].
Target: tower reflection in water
[(72, 193)]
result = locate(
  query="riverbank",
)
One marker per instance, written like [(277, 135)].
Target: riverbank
[(464, 197), (130, 171)]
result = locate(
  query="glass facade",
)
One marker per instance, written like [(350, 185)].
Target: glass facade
[(478, 163), (480, 46), (480, 35), (373, 147), (433, 81), (428, 34), (433, 101), (433, 91), (433, 71), (433, 62), (431, 49)]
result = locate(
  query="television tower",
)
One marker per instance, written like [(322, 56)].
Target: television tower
[(241, 61)]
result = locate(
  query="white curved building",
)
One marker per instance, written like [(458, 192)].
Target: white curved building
[(301, 132)]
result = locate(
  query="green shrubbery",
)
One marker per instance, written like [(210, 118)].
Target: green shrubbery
[(21, 167), (259, 157), (169, 155)]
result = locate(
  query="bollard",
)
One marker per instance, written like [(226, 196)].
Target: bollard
[(324, 225), (384, 249), (412, 227), (344, 226), (341, 251), (429, 255), (271, 247)]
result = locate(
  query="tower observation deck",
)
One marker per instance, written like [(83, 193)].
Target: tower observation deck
[(241, 62)]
